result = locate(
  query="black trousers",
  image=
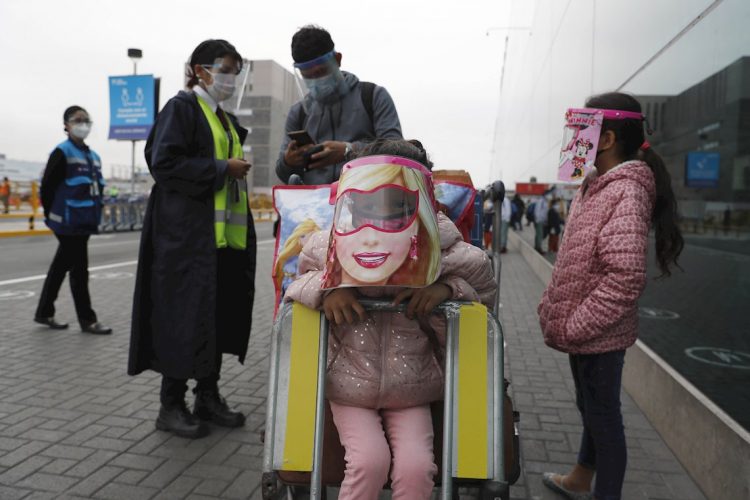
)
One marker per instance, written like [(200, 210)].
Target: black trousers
[(72, 257), (173, 389)]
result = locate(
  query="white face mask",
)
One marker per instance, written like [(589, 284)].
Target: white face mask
[(80, 130), (222, 87)]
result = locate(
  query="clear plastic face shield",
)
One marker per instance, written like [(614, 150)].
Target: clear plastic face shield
[(583, 127), (388, 208), (321, 76), (229, 79)]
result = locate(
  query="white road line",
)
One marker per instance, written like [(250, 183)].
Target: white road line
[(112, 243), (97, 268), (42, 276)]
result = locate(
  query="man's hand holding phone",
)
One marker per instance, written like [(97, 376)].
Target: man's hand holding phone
[(300, 144), (303, 152), (331, 152)]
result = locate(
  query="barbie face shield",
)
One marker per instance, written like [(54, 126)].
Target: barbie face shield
[(384, 225), (583, 127)]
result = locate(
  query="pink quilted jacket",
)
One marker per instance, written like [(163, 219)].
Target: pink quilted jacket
[(590, 306), (388, 361)]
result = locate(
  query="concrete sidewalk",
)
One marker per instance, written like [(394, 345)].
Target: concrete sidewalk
[(74, 425), (543, 392)]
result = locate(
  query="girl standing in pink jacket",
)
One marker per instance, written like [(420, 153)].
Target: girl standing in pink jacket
[(589, 309), (385, 369)]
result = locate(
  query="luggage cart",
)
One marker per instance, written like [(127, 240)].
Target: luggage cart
[(479, 426), (473, 420)]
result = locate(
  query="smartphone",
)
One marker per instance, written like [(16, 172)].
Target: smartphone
[(307, 154), (301, 136), (315, 149)]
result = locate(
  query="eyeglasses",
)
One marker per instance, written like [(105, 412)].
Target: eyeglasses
[(222, 69), (79, 121)]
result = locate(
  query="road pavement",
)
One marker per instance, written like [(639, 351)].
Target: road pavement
[(73, 425)]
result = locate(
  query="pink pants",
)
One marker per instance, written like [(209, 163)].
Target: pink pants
[(370, 437)]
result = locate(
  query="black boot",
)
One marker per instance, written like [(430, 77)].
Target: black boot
[(210, 406), (180, 422)]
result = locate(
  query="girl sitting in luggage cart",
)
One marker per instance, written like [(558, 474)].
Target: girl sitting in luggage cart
[(385, 369)]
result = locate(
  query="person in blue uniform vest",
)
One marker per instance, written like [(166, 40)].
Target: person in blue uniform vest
[(195, 283), (71, 195)]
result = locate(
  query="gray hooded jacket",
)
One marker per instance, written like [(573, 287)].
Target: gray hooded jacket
[(345, 120)]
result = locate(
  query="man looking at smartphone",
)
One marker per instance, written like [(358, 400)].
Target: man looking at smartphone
[(340, 113)]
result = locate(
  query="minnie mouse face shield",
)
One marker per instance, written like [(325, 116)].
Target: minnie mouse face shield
[(384, 226), (583, 127)]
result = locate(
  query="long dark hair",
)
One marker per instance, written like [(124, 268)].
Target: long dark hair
[(630, 139)]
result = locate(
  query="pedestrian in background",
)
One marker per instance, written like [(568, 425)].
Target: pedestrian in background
[(5, 195), (488, 216), (530, 213), (505, 215), (196, 269), (554, 226), (541, 209), (72, 200), (590, 308), (517, 212)]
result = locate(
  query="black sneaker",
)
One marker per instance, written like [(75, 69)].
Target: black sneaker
[(211, 407), (180, 422), (51, 322)]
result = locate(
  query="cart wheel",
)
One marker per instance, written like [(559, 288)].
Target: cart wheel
[(297, 493), (495, 490), (269, 485), (303, 493)]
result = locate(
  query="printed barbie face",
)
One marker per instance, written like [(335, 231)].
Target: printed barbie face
[(372, 256), (373, 233)]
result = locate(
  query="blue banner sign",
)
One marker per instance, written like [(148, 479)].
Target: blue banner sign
[(132, 107), (702, 170)]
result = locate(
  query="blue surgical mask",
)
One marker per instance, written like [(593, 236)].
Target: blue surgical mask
[(326, 88)]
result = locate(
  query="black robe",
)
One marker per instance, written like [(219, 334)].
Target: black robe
[(175, 308)]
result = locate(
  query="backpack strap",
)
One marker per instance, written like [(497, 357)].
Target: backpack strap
[(303, 118), (368, 89)]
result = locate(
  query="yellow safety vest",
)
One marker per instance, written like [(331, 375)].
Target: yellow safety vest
[(230, 202)]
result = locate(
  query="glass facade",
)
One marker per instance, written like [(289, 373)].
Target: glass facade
[(688, 62)]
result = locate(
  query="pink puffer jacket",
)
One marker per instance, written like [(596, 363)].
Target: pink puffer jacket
[(388, 361), (590, 306)]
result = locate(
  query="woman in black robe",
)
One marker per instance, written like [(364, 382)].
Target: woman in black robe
[(193, 301)]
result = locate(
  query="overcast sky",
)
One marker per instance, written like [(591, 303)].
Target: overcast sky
[(582, 47), (435, 59)]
